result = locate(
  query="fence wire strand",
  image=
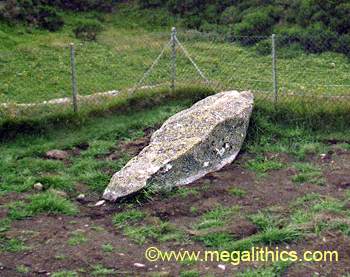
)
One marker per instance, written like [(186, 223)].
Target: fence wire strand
[(29, 84)]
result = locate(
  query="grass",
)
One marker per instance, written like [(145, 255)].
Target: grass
[(100, 270), (269, 236), (45, 202), (124, 218), (130, 222), (22, 269), (65, 273), (107, 247), (321, 213), (308, 173), (216, 217), (211, 221), (39, 60), (264, 220), (237, 192), (184, 192), (77, 237), (262, 165), (23, 165), (5, 224), (12, 245), (36, 64), (311, 148), (160, 232), (275, 270), (273, 229), (189, 273)]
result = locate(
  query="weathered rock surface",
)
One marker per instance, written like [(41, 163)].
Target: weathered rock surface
[(57, 154), (189, 145)]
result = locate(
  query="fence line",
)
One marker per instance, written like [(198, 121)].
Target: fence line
[(258, 63)]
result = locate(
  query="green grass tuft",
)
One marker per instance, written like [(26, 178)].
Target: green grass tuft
[(12, 245), (308, 173), (267, 237), (161, 232), (65, 273), (262, 165), (77, 237), (237, 192), (216, 217), (107, 247), (127, 217), (100, 270), (189, 273), (275, 270), (45, 202)]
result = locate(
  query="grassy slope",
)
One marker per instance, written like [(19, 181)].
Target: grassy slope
[(35, 64), (22, 162), (22, 165)]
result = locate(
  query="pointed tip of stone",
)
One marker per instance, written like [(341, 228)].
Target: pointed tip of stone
[(110, 195)]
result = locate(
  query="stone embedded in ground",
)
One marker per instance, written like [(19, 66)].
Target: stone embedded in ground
[(38, 186), (57, 154), (190, 144), (81, 197), (59, 193)]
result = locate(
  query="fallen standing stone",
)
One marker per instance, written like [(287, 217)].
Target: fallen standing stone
[(190, 144)]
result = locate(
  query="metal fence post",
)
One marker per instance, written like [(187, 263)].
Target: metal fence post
[(74, 81), (274, 69), (173, 58)]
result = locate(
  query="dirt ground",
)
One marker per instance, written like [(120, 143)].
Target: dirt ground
[(47, 236)]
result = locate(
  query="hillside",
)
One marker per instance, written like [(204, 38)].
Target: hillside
[(316, 25)]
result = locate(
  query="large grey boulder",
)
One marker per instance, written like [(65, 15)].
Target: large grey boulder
[(189, 145)]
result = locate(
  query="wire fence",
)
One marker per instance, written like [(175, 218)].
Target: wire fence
[(69, 77)]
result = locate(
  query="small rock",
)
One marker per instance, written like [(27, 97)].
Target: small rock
[(38, 186), (58, 192), (80, 197), (100, 203), (57, 154), (139, 265), (221, 266)]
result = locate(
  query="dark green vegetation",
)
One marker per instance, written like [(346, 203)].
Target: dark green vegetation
[(316, 25), (45, 13)]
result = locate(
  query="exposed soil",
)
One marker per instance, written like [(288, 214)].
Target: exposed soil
[(48, 236)]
